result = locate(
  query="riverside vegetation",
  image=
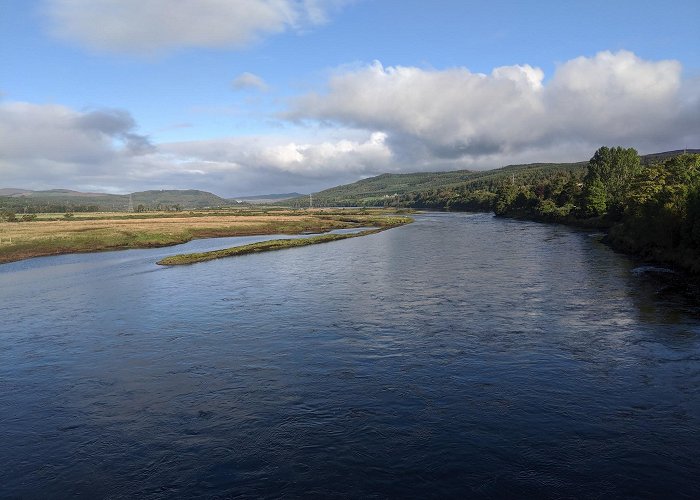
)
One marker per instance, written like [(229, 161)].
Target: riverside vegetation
[(52, 234), (648, 205), (280, 244), (649, 210)]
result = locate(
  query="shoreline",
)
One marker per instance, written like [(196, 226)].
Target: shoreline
[(26, 240), (263, 246), (681, 259)]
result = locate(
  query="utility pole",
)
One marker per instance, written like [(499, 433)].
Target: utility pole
[(131, 204), (311, 201)]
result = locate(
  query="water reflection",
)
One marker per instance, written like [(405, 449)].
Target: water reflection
[(459, 355)]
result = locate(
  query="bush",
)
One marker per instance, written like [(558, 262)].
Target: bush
[(8, 216)]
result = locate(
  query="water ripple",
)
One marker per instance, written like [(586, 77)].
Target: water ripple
[(461, 355)]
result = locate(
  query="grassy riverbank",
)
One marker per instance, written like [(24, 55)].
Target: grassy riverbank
[(99, 232), (265, 246), (272, 245)]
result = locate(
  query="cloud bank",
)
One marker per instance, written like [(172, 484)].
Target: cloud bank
[(369, 120), (62, 135), (456, 115), (49, 146), (55, 145), (155, 26)]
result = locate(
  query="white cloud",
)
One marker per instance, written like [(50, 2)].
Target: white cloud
[(48, 145), (61, 134), (395, 119), (453, 115), (268, 164), (53, 146), (153, 26), (247, 80)]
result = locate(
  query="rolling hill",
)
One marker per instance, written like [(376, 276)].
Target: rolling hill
[(190, 198), (65, 200), (421, 189), (381, 189), (375, 191)]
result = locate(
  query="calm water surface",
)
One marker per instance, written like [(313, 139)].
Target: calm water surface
[(461, 355)]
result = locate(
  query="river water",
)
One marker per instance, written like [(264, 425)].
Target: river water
[(461, 355)]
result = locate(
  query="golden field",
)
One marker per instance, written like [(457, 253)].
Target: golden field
[(54, 234)]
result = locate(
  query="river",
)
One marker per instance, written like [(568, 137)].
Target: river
[(458, 356)]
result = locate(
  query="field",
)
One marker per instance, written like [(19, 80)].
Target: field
[(56, 234)]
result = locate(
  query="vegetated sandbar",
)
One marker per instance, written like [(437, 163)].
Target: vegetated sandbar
[(279, 244), (53, 234)]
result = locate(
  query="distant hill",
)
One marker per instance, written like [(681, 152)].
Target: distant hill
[(13, 191), (65, 193), (382, 189), (60, 200), (385, 189), (65, 200), (658, 157), (266, 198), (190, 198)]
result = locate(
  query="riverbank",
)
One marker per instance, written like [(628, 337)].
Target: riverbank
[(619, 238), (685, 259), (101, 232)]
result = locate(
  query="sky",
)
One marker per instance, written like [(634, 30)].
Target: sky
[(245, 97)]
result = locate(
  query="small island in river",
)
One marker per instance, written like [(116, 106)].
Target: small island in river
[(280, 244)]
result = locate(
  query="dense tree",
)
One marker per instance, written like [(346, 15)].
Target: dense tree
[(615, 168), (662, 204), (7, 216), (691, 227), (595, 198), (505, 197)]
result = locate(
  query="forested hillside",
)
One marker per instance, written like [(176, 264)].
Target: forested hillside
[(423, 189), (456, 190)]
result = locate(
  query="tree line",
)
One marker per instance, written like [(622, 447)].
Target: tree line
[(650, 209)]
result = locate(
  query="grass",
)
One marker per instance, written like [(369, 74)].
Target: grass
[(265, 246), (272, 245), (99, 232)]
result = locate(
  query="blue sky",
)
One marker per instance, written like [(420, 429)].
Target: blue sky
[(257, 96)]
